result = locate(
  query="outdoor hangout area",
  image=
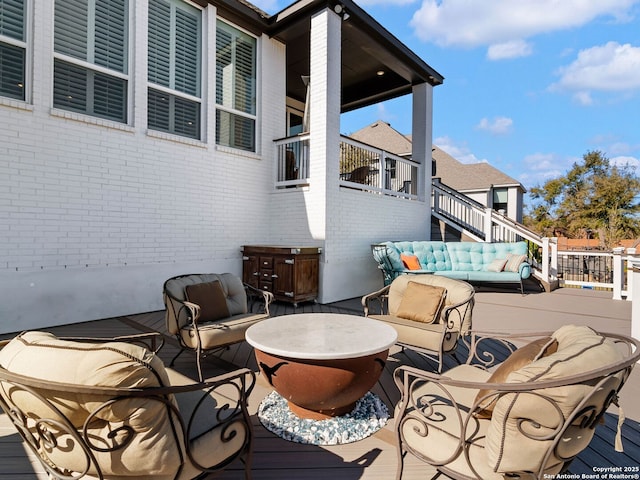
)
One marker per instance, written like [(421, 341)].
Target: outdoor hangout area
[(350, 389)]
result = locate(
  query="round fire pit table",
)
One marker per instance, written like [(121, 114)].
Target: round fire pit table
[(321, 363)]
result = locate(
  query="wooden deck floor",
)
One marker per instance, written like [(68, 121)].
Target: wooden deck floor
[(375, 457)]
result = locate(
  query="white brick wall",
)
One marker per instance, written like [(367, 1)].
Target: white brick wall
[(95, 216), (83, 198)]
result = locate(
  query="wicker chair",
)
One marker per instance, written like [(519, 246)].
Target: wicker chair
[(527, 419), (210, 311), (90, 408), (406, 302)]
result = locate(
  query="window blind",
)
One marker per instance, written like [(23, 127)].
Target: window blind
[(93, 32), (235, 87), (12, 57), (174, 62)]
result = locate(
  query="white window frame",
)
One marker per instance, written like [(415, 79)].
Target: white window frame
[(256, 103), (25, 45), (95, 68), (170, 90)]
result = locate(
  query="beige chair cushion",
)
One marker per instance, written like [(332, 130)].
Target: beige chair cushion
[(211, 299), (422, 303), (580, 349), (154, 446), (206, 436), (457, 291), (220, 333), (523, 356)]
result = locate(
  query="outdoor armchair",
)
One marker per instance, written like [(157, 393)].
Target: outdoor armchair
[(527, 419), (96, 408), (430, 313), (210, 311)]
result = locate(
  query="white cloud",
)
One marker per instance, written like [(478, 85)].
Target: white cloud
[(609, 67), (541, 167), (465, 23), (624, 161), (499, 125), (508, 50), (583, 98), (384, 114), (457, 151)]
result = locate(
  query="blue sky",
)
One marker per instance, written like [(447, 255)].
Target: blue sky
[(530, 85)]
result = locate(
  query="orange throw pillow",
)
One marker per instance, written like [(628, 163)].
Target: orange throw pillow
[(410, 261), (523, 356)]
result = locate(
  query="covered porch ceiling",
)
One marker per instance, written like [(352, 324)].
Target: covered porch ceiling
[(376, 66)]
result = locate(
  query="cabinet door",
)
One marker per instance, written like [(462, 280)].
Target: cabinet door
[(251, 270), (283, 275), (306, 279)]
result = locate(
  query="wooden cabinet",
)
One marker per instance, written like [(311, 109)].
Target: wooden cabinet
[(290, 273)]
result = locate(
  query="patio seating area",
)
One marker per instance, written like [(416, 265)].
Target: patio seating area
[(375, 457)]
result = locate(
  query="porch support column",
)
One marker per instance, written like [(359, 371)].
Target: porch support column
[(422, 137), (324, 126)]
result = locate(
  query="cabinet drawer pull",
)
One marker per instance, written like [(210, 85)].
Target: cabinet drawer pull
[(289, 261), (288, 294), (274, 276)]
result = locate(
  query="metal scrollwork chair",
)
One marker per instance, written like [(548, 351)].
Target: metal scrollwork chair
[(526, 419), (430, 313), (210, 311), (94, 408)]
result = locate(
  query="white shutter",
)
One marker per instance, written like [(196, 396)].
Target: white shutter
[(187, 62), (111, 34), (159, 50), (71, 28)]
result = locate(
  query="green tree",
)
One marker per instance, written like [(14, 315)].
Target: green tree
[(593, 196)]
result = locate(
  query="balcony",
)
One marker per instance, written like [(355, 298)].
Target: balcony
[(362, 167)]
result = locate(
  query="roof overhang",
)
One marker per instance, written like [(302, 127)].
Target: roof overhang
[(368, 49)]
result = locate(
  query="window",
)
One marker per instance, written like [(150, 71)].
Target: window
[(235, 88), (91, 56), (12, 48), (174, 75), (500, 198)]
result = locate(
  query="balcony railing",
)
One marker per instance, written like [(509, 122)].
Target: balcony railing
[(362, 167), (292, 156)]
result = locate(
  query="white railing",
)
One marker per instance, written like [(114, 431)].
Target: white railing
[(484, 224), (292, 161), (362, 167), (600, 270), (367, 168)]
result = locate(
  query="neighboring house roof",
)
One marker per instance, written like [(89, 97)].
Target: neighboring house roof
[(381, 135), (464, 177)]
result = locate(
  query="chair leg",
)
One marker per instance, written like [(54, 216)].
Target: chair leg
[(198, 363), (174, 358)]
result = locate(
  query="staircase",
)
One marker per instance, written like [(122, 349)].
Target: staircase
[(459, 217)]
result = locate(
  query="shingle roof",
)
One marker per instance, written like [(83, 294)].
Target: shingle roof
[(381, 135), (464, 177)]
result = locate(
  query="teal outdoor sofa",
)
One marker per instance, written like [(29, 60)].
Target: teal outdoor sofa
[(504, 262)]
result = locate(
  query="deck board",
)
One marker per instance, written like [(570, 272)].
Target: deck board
[(374, 457)]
